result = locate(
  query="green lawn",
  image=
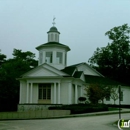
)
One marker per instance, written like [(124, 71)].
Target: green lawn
[(112, 109)]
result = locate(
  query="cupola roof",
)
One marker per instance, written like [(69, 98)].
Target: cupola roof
[(53, 29)]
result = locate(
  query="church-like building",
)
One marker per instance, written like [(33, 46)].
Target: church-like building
[(53, 82)]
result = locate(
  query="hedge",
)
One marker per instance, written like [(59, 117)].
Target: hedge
[(82, 108)]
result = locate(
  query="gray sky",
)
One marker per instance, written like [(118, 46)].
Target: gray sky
[(82, 24)]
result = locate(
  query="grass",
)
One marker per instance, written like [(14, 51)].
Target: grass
[(112, 109)]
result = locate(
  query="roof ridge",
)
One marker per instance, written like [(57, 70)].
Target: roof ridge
[(76, 64)]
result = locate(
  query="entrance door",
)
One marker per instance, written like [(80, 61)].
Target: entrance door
[(44, 93)]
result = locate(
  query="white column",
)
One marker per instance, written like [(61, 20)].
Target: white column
[(54, 93), (31, 93), (54, 57), (20, 96), (27, 98), (58, 93), (70, 93), (63, 58), (76, 94), (44, 57)]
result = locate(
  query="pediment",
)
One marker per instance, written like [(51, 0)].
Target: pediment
[(88, 70), (44, 70)]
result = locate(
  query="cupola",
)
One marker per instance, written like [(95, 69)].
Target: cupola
[(53, 35), (53, 52)]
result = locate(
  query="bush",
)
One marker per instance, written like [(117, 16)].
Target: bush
[(82, 108), (82, 99)]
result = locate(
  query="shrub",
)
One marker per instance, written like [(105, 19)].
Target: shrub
[(82, 99), (82, 108)]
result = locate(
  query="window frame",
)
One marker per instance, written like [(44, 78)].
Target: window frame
[(44, 92), (49, 57), (60, 58)]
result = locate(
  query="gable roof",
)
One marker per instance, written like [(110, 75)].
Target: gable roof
[(91, 79), (87, 69)]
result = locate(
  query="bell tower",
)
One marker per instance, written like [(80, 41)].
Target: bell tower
[(53, 52)]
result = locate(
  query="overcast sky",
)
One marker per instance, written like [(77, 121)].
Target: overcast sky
[(82, 24)]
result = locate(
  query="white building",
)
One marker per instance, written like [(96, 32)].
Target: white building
[(53, 82)]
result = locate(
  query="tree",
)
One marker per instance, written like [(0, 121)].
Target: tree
[(114, 60), (9, 71), (2, 59), (96, 92), (114, 94), (27, 57)]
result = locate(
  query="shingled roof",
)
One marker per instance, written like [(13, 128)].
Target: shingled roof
[(91, 79), (69, 70), (100, 80)]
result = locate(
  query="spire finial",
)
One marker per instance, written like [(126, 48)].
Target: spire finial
[(54, 21)]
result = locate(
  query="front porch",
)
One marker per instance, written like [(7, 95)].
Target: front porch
[(40, 93), (46, 92)]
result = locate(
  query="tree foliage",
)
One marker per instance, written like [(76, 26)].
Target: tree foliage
[(114, 94), (2, 58), (97, 92), (26, 57), (114, 59), (10, 70)]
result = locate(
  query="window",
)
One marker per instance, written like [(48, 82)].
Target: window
[(44, 91), (56, 39), (51, 37), (59, 57), (48, 57)]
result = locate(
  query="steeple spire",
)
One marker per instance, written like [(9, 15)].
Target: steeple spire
[(54, 21)]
